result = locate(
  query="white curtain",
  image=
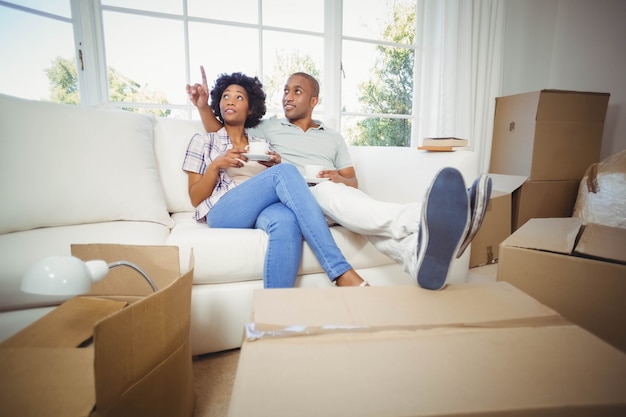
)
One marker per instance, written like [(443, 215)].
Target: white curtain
[(458, 71)]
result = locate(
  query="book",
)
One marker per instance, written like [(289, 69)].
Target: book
[(453, 142), (437, 148)]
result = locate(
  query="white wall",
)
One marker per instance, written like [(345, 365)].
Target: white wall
[(570, 45)]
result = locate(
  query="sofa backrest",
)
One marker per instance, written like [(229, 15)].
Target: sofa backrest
[(171, 137), (65, 165)]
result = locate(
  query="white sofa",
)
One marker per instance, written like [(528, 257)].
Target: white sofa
[(73, 174)]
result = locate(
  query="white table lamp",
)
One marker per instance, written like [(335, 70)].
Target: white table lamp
[(68, 275)]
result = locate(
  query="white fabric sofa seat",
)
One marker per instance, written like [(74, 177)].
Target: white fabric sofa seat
[(86, 175)]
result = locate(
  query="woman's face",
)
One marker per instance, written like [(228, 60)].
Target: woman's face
[(234, 106)]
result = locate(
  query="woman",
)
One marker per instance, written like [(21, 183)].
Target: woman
[(229, 191)]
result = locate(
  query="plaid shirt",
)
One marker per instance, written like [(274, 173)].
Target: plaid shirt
[(203, 148)]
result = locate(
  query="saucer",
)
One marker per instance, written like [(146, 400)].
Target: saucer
[(257, 157), (315, 180)]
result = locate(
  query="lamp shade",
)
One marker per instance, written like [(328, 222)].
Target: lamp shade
[(63, 275)]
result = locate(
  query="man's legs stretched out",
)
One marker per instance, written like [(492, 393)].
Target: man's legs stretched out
[(424, 242), (360, 213)]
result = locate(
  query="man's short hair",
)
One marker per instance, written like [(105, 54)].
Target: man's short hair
[(315, 85)]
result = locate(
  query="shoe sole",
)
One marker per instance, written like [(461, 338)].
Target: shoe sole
[(445, 220), (479, 195)]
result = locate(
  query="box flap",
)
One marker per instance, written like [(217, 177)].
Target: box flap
[(517, 108), (67, 326), (328, 310), (64, 385), (160, 263), (153, 335), (540, 371), (604, 242), (507, 183), (550, 234), (574, 106)]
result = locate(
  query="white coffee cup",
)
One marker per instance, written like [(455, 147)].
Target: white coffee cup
[(258, 148), (311, 171)]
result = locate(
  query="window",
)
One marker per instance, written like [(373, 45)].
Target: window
[(378, 56), (38, 50), (144, 51)]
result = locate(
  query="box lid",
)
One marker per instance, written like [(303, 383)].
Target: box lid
[(603, 242), (288, 312), (549, 234), (507, 183), (567, 235)]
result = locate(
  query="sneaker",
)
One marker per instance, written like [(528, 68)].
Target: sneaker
[(445, 220), (479, 195)]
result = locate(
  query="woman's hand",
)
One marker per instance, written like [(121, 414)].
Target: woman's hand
[(275, 159), (199, 93), (232, 158)]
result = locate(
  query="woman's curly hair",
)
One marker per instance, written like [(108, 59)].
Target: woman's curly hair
[(256, 96)]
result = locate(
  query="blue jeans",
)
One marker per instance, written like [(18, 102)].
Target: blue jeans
[(279, 202)]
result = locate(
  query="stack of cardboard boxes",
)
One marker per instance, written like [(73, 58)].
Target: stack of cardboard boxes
[(543, 142)]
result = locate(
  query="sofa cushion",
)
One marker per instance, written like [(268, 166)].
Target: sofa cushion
[(233, 255), (64, 165), (171, 137)]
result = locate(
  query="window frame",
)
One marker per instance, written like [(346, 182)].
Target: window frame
[(89, 45)]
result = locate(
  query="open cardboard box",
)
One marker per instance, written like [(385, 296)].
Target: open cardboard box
[(580, 271), (514, 201), (121, 350), (469, 350), (496, 225)]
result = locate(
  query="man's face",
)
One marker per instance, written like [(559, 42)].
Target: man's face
[(298, 102)]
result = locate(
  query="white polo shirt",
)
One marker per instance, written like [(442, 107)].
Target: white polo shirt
[(319, 146)]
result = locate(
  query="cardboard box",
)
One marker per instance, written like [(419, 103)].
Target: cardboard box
[(543, 199), (469, 350), (495, 228), (579, 272), (121, 350), (497, 222), (514, 201), (548, 134)]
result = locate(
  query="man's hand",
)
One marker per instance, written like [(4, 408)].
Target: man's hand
[(345, 176), (199, 93)]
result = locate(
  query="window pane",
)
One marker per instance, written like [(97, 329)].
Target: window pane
[(375, 131), (373, 19), (239, 54), (147, 65), (378, 79), (35, 45), (294, 14), (243, 11), (284, 54), (57, 7), (161, 6)]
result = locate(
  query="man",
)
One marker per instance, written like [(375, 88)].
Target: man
[(423, 238)]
